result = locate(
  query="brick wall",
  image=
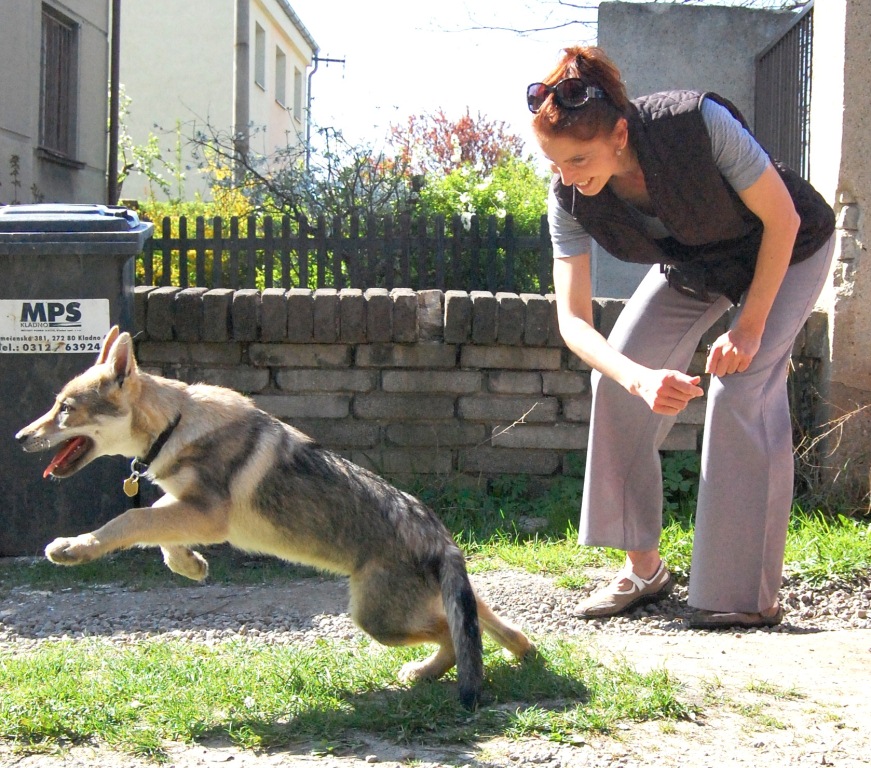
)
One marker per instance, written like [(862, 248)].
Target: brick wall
[(402, 382)]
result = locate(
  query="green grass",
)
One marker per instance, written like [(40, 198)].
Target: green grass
[(775, 691), (823, 547), (137, 697), (820, 548)]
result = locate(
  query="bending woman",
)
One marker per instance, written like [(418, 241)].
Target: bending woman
[(676, 180)]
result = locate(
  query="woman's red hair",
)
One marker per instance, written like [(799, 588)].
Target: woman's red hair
[(597, 116)]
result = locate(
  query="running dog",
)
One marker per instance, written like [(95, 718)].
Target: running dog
[(233, 473)]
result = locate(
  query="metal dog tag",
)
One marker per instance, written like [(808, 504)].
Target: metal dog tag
[(131, 486)]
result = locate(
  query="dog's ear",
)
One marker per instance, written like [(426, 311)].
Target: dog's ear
[(121, 358), (108, 341)]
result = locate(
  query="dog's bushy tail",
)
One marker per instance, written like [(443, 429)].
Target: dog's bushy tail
[(462, 612)]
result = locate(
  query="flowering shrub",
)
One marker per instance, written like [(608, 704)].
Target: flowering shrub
[(513, 187)]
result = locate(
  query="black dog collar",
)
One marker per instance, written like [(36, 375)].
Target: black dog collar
[(137, 467), (158, 444)]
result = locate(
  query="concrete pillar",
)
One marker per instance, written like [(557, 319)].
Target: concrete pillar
[(841, 170)]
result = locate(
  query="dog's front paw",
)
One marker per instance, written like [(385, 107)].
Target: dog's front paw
[(186, 562), (74, 551)]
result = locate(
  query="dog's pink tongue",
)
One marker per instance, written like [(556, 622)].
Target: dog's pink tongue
[(61, 456)]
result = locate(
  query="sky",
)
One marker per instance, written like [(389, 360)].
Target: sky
[(417, 57)]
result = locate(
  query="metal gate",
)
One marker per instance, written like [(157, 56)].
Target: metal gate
[(783, 94)]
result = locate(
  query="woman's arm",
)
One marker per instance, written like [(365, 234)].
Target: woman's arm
[(665, 391), (769, 199)]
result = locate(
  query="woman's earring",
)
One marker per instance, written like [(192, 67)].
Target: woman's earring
[(619, 152)]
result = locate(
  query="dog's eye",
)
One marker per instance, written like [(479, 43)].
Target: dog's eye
[(66, 408)]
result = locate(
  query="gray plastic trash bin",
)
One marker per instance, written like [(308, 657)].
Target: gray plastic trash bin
[(66, 276)]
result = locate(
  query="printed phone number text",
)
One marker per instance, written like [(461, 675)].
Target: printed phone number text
[(49, 346)]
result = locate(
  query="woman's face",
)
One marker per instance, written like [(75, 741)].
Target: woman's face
[(586, 165)]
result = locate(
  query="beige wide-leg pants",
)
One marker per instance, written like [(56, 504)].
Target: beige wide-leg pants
[(746, 485)]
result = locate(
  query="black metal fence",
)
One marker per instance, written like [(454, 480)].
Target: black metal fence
[(368, 252), (783, 94)]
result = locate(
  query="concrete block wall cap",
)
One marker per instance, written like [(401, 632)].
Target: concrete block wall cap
[(378, 315)]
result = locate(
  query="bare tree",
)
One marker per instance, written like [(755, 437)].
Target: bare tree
[(342, 178), (561, 14)]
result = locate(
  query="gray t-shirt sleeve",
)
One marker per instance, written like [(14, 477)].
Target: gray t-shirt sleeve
[(738, 156), (567, 236)]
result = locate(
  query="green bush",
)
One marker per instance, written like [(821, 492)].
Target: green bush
[(513, 188)]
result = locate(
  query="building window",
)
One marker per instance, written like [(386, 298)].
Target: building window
[(58, 68), (280, 77), (260, 56), (297, 94)]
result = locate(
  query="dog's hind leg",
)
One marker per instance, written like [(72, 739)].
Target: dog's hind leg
[(432, 667), (185, 562), (406, 616), (503, 632)]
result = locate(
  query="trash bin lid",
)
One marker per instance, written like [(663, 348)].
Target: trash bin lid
[(50, 229), (56, 217)]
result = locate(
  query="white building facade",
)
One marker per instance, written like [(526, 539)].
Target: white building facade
[(54, 56), (237, 67)]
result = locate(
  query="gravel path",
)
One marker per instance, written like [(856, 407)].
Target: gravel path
[(823, 648), (315, 607)]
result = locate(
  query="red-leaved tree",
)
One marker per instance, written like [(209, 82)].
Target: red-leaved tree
[(433, 143)]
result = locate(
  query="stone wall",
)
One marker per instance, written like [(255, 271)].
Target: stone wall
[(402, 382)]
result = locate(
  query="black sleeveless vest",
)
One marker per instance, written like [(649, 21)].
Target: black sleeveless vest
[(713, 237)]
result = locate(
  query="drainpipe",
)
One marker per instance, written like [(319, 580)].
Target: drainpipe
[(112, 191), (308, 117), (241, 84), (308, 114)]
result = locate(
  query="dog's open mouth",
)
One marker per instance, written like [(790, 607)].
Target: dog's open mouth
[(68, 458)]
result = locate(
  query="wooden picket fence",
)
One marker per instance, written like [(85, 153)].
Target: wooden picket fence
[(360, 252)]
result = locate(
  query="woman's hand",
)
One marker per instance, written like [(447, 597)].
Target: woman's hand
[(732, 352), (666, 392), (769, 199)]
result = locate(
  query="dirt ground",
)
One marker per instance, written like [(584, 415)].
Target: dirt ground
[(801, 698)]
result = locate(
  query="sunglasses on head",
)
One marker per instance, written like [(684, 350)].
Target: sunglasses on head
[(570, 93)]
